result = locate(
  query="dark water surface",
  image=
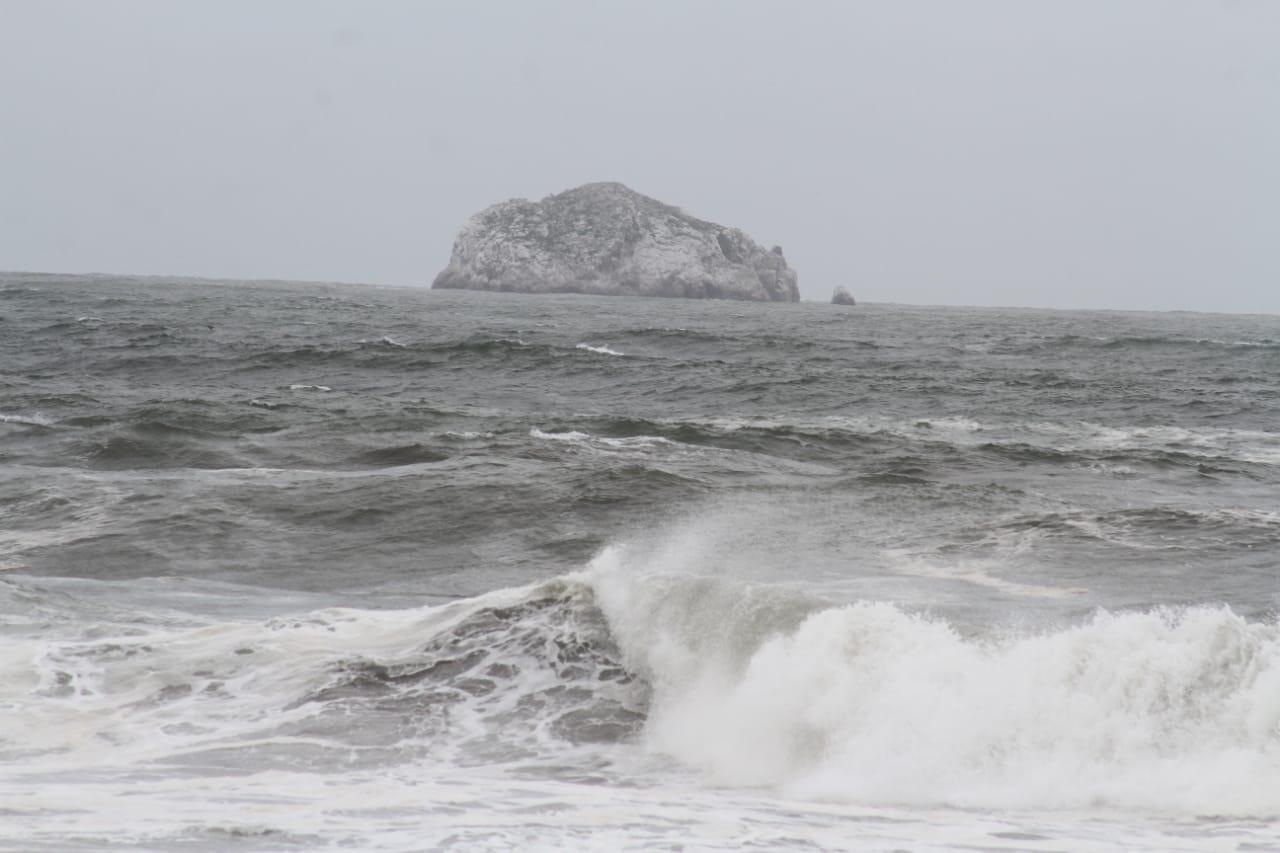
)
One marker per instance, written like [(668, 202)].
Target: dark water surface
[(236, 513)]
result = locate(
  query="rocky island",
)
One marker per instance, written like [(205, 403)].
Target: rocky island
[(607, 239)]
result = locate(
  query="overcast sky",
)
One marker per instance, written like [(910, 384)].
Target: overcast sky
[(1067, 154)]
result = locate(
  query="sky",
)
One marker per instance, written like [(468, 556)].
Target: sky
[(1072, 154)]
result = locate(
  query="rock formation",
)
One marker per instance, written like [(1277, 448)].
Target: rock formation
[(842, 296), (607, 239)]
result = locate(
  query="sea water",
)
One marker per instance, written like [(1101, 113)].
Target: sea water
[(295, 566)]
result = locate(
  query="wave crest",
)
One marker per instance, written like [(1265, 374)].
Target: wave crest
[(1167, 709)]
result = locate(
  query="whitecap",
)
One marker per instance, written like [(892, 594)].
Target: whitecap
[(600, 350), (631, 442), (321, 388), (385, 341), (636, 441), (572, 435), (25, 420)]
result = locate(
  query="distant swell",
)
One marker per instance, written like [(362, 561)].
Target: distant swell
[(409, 454), (1132, 343)]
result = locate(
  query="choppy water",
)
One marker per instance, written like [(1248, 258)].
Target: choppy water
[(291, 566)]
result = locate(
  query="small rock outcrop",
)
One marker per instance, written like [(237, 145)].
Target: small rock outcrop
[(842, 297), (607, 239)]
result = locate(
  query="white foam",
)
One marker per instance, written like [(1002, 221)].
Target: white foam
[(429, 807), (385, 341), (301, 387), (1171, 710), (570, 435), (638, 441), (156, 722), (26, 420), (600, 350), (239, 675), (606, 443), (836, 712)]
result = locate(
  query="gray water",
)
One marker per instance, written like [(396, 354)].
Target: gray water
[(295, 565)]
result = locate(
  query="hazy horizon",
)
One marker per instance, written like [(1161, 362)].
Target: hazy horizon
[(804, 298), (1082, 155)]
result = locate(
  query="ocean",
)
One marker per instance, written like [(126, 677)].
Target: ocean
[(294, 566)]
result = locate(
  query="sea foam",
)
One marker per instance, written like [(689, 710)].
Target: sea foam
[(600, 350), (1170, 710), (25, 420)]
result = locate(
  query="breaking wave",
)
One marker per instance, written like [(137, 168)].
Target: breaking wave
[(1174, 710), (1167, 710), (509, 677)]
